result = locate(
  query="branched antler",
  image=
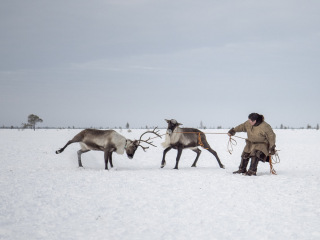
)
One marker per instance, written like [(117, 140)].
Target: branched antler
[(148, 140), (153, 131), (144, 148)]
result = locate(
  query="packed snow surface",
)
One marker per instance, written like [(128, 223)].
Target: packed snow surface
[(47, 196)]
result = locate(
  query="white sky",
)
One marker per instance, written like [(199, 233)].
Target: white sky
[(105, 63)]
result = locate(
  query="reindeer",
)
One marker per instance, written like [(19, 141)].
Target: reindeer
[(181, 138), (108, 141)]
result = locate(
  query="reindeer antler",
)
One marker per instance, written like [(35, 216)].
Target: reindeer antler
[(144, 148), (148, 140)]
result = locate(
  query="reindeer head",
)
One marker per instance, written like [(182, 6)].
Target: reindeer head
[(172, 124), (132, 146)]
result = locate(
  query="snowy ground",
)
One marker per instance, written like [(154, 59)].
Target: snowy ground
[(46, 196)]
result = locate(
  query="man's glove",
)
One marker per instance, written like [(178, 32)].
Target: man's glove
[(231, 132), (272, 150)]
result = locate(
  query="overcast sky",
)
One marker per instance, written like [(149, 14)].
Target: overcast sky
[(109, 62)]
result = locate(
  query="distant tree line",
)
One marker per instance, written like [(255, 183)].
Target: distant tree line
[(33, 120), (308, 127)]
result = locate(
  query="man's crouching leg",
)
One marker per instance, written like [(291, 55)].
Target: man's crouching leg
[(243, 164), (258, 156), (253, 167)]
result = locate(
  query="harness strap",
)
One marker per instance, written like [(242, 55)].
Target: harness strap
[(200, 142)]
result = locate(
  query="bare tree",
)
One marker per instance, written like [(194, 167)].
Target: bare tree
[(32, 121)]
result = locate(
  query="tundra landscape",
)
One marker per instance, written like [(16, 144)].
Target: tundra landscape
[(47, 196)]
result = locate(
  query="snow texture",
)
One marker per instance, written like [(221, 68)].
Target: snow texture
[(46, 196)]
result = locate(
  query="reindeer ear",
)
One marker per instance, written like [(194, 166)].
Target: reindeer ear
[(167, 120), (180, 124)]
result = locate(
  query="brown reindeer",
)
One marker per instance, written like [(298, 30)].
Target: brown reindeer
[(181, 138), (108, 141)]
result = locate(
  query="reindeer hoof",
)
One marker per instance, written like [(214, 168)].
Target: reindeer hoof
[(176, 168), (222, 166), (163, 164), (193, 165)]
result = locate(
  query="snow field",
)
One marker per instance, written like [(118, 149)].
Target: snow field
[(46, 196)]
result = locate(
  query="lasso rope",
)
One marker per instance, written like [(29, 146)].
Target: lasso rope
[(272, 161), (232, 142)]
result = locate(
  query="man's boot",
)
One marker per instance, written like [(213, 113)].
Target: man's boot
[(243, 166), (253, 167)]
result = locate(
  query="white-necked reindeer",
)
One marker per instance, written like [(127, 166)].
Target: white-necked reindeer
[(181, 138), (108, 141)]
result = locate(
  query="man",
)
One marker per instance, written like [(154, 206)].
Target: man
[(259, 144)]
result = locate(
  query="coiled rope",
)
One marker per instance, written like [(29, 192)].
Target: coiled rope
[(274, 159)]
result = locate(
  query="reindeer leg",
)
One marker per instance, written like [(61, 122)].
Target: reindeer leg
[(75, 139), (62, 149), (110, 160), (163, 162), (79, 156), (178, 158), (216, 156), (106, 158), (207, 146), (198, 151)]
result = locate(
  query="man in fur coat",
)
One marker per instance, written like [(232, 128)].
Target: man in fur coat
[(259, 144)]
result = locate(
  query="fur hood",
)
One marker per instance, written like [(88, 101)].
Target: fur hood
[(256, 117)]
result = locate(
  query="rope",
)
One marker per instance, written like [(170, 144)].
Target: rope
[(272, 170), (232, 142), (199, 137), (272, 161)]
